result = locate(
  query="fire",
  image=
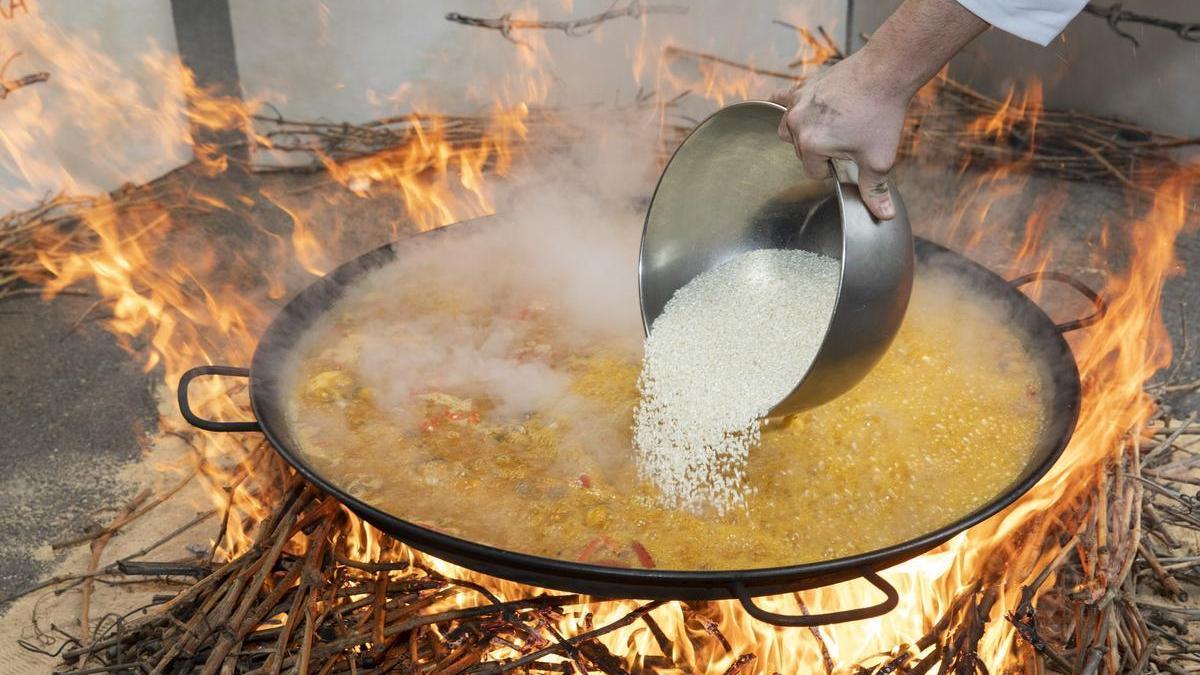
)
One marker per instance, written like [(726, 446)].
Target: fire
[(179, 297)]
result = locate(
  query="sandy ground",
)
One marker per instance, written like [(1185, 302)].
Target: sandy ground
[(31, 619), (77, 436)]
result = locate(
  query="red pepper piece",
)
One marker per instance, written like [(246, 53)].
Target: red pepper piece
[(610, 545), (642, 554), (585, 480)]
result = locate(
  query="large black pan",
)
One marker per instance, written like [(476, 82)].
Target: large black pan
[(268, 400)]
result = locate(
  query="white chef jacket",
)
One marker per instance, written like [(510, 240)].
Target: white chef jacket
[(1038, 21)]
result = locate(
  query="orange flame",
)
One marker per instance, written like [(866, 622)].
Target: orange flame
[(181, 296)]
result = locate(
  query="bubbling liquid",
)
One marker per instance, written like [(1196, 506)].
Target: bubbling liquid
[(476, 408)]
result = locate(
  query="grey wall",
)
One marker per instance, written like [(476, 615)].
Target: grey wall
[(1089, 67), (360, 60)]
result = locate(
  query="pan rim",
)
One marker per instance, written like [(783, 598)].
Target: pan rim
[(267, 406)]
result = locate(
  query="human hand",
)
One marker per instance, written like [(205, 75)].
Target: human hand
[(850, 111)]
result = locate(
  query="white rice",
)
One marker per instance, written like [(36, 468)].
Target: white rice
[(728, 346)]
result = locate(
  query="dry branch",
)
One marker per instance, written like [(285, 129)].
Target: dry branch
[(1116, 16), (506, 24), (9, 86)]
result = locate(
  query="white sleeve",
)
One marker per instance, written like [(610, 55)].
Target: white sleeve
[(1038, 21)]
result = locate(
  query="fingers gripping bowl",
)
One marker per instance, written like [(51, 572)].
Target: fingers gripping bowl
[(733, 187), (544, 556)]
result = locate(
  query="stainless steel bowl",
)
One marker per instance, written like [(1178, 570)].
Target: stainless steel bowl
[(733, 187)]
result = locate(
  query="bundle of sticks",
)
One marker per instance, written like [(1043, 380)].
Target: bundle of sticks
[(1118, 558), (302, 599), (308, 146), (299, 600)]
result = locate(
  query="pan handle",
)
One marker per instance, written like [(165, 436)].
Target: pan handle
[(810, 620), (1097, 301), (200, 422)]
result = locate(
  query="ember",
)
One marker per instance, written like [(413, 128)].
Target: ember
[(223, 560)]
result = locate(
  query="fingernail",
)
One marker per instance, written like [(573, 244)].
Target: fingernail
[(887, 208)]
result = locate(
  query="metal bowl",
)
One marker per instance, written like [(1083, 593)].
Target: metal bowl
[(733, 187)]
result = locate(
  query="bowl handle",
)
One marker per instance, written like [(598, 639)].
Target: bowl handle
[(1097, 301), (200, 422), (809, 620)]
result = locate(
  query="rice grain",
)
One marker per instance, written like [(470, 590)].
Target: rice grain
[(728, 346)]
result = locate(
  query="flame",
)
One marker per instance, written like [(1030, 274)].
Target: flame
[(177, 302)]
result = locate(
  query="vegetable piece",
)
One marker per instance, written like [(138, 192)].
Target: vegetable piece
[(602, 544), (642, 554)]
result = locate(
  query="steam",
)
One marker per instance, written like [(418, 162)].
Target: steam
[(566, 239)]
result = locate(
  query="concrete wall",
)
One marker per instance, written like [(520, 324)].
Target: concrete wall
[(111, 110), (1089, 67), (360, 60)]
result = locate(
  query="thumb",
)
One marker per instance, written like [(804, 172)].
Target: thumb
[(783, 96), (876, 193)]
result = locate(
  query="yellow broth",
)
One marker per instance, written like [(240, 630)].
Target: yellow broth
[(946, 421)]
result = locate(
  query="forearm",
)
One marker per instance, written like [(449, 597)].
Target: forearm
[(916, 41)]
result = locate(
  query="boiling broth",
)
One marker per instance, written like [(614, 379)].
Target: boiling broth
[(477, 408)]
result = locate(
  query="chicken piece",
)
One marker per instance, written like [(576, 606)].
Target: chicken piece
[(329, 386)]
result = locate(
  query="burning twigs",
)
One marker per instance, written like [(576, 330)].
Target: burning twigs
[(55, 228), (298, 600), (506, 24), (1104, 600)]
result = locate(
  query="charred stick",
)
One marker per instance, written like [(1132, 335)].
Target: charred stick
[(98, 544), (709, 626), (251, 579), (592, 650), (1156, 527), (826, 658), (275, 661), (197, 626), (9, 86), (925, 664), (664, 643), (379, 566), (1163, 448), (589, 635), (1096, 651), (379, 607), (892, 665), (266, 607), (200, 518), (1169, 584), (739, 663), (931, 638), (164, 612), (162, 569), (306, 643)]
